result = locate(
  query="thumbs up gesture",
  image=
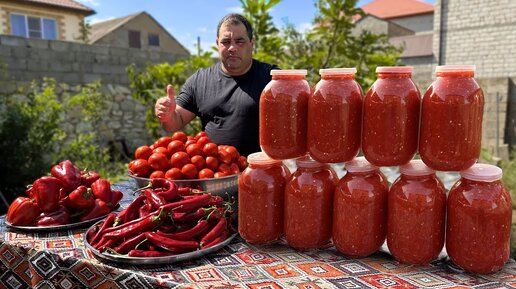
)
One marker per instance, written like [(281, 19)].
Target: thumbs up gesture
[(166, 106)]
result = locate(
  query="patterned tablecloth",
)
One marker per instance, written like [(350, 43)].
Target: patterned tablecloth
[(60, 260)]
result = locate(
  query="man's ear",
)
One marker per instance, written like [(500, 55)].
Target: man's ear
[(217, 41)]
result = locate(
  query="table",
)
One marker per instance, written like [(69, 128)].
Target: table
[(60, 260)]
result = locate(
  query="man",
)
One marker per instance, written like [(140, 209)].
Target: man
[(226, 95)]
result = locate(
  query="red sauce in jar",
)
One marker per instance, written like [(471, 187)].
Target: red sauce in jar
[(479, 220), (261, 188), (335, 116), (451, 120), (360, 209), (283, 114), (391, 118), (416, 215), (309, 204)]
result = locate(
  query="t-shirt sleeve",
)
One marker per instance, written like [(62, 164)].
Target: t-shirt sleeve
[(186, 97)]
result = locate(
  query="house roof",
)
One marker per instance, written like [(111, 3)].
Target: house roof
[(388, 9), (415, 45), (101, 29), (66, 4)]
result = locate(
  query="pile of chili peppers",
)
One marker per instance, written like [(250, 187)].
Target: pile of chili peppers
[(68, 195), (164, 220)]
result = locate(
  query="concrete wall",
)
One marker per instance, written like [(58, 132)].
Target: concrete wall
[(417, 23)]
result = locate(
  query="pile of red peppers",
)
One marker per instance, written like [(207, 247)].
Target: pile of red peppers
[(69, 195), (164, 220)]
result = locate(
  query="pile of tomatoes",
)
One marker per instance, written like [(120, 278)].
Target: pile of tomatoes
[(181, 156)]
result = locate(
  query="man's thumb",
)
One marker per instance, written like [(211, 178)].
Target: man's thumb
[(170, 92)]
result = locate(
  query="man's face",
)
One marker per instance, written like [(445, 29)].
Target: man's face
[(235, 49)]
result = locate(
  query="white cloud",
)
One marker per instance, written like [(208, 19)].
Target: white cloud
[(304, 27), (89, 2), (236, 9), (97, 20)]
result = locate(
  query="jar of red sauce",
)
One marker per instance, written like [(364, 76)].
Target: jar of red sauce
[(360, 209), (335, 116), (283, 114), (309, 204), (416, 215), (261, 188), (479, 220), (391, 117), (451, 119)]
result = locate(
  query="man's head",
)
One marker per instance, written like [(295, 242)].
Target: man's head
[(235, 44)]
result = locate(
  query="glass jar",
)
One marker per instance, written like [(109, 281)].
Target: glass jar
[(416, 215), (360, 209), (335, 116), (309, 204), (261, 188), (283, 114), (451, 119), (391, 117), (479, 220)]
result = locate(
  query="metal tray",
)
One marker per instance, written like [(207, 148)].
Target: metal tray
[(107, 257)]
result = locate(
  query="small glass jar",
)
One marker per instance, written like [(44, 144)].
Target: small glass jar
[(283, 114), (360, 209), (391, 117), (335, 116), (261, 188), (309, 204), (451, 119), (479, 220), (416, 215)]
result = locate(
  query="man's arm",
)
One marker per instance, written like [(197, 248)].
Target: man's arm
[(180, 117)]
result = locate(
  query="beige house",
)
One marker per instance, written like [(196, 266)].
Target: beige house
[(43, 19), (139, 31)]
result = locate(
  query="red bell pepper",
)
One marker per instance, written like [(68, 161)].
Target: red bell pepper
[(88, 177), (61, 216), (102, 190), (68, 174), (46, 191), (29, 191), (80, 198), (23, 212), (116, 196), (99, 209)]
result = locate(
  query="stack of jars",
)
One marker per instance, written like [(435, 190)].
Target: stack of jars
[(331, 122)]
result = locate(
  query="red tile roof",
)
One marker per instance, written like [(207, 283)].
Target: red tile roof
[(387, 9), (67, 4)]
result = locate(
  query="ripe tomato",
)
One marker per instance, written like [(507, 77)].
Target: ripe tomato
[(193, 150), (212, 163), (200, 134), (189, 171), (175, 146), (232, 151), (224, 168), (189, 142), (234, 168), (224, 156), (179, 135), (161, 150), (162, 141), (203, 140), (143, 152), (179, 159), (242, 163), (210, 149), (219, 175), (159, 162), (157, 174), (174, 174), (198, 161), (140, 168), (206, 174)]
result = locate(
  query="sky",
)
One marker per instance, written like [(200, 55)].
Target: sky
[(190, 19)]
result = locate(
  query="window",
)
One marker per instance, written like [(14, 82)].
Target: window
[(134, 39), (33, 27), (153, 40)]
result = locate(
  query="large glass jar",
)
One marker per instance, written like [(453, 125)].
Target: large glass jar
[(391, 117), (479, 220), (335, 116), (360, 209), (416, 215), (283, 114), (261, 188), (309, 204), (451, 119)]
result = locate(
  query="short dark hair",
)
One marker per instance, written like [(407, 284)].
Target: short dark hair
[(235, 19)]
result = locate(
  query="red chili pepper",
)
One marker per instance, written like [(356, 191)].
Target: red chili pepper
[(80, 198), (154, 199), (46, 192), (184, 191), (105, 243), (146, 253), (88, 177), (23, 212), (225, 234), (68, 174), (217, 201), (99, 209), (131, 211), (182, 217), (90, 234), (165, 188), (129, 244), (170, 244), (216, 231), (145, 210), (200, 228), (102, 190), (61, 216), (189, 204), (147, 223), (167, 228), (108, 222)]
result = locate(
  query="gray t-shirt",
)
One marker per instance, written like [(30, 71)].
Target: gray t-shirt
[(228, 106)]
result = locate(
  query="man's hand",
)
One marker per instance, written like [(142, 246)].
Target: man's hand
[(165, 106)]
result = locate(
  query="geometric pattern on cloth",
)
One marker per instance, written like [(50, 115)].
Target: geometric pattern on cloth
[(44, 264)]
